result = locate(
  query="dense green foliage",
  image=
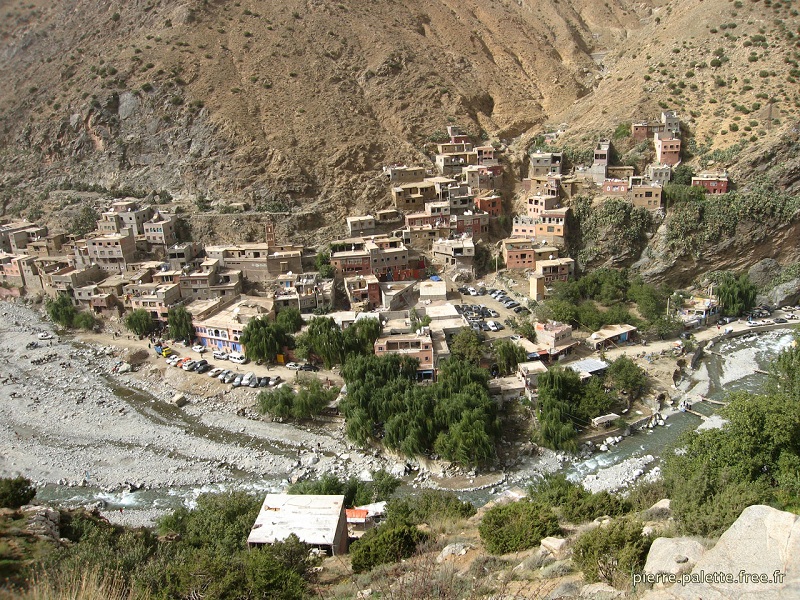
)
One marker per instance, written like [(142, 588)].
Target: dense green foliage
[(610, 553), (84, 320), (615, 224), (179, 321), (355, 492), (454, 417), (466, 346), (428, 506), (84, 222), (386, 544), (139, 322), (508, 355), (682, 175), (306, 402), (61, 310), (324, 340), (628, 377), (736, 294), (207, 559), (16, 492), (264, 339), (697, 219), (573, 502), (290, 319), (517, 526), (323, 264)]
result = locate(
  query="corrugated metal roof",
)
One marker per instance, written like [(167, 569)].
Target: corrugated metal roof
[(313, 519)]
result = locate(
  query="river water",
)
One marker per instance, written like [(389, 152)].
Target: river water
[(730, 367)]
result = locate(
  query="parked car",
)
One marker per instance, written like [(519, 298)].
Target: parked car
[(275, 381), (472, 291), (459, 308), (263, 382), (199, 348), (253, 383), (726, 320), (230, 377), (309, 367), (491, 291), (220, 355), (463, 290), (521, 310), (512, 304), (182, 362), (204, 368), (492, 326), (238, 358), (493, 313), (237, 381), (215, 372), (779, 320), (248, 377), (198, 364), (173, 360), (188, 365), (293, 366)]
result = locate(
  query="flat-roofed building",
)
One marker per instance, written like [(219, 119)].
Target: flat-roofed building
[(413, 345), (713, 182), (537, 204), (160, 229), (545, 163), (155, 298), (15, 236), (319, 521), (111, 251), (458, 253), (363, 291), (646, 195), (412, 196), (668, 148), (259, 261), (132, 215), (223, 328), (404, 174), (360, 225)]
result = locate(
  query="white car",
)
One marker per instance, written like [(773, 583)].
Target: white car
[(220, 355), (293, 366), (199, 348), (215, 372), (173, 359), (492, 326), (188, 365), (45, 335)]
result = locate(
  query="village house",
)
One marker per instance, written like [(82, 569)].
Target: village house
[(260, 261), (659, 174), (160, 229), (305, 291), (615, 187), (357, 226), (421, 237), (131, 215), (210, 280), (521, 253), (551, 226), (156, 298), (589, 367), (537, 204), (222, 329), (668, 148), (387, 216), (645, 130), (491, 204), (712, 182), (398, 174), (380, 255), (611, 336), (15, 236), (529, 372), (10, 271), (545, 163), (645, 195), (620, 172), (481, 178), (319, 521), (47, 246), (548, 272), (183, 254), (413, 345), (432, 291), (110, 251), (363, 291), (554, 339), (412, 196), (456, 253), (548, 186), (66, 279), (524, 227), (699, 310)]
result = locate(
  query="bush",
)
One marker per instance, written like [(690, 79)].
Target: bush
[(16, 492), (575, 504), (431, 506), (386, 544), (356, 493), (517, 526), (139, 322), (610, 553)]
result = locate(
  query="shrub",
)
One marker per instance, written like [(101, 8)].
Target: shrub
[(386, 544), (16, 492), (517, 526), (577, 505), (610, 553), (430, 506)]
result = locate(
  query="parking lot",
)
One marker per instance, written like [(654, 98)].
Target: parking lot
[(488, 310)]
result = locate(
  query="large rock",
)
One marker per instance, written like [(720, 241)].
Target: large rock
[(764, 272), (555, 546), (764, 542), (785, 294), (457, 549), (673, 555), (601, 591)]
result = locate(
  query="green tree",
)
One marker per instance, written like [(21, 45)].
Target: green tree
[(508, 355), (323, 264), (628, 377), (84, 222), (61, 310), (429, 506), (612, 552), (290, 319), (264, 339), (304, 403), (736, 295), (355, 492), (84, 320), (559, 395), (517, 526), (360, 337), (466, 346), (139, 322), (16, 492), (383, 545), (324, 339), (682, 175), (179, 321)]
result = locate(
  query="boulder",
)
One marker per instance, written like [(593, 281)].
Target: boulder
[(399, 470), (785, 294), (179, 400), (601, 591), (764, 271), (762, 541), (555, 546), (673, 555), (124, 368), (457, 549), (659, 510), (309, 460)]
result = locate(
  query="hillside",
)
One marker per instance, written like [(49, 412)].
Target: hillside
[(290, 105)]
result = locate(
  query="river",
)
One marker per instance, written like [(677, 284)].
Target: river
[(731, 367)]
